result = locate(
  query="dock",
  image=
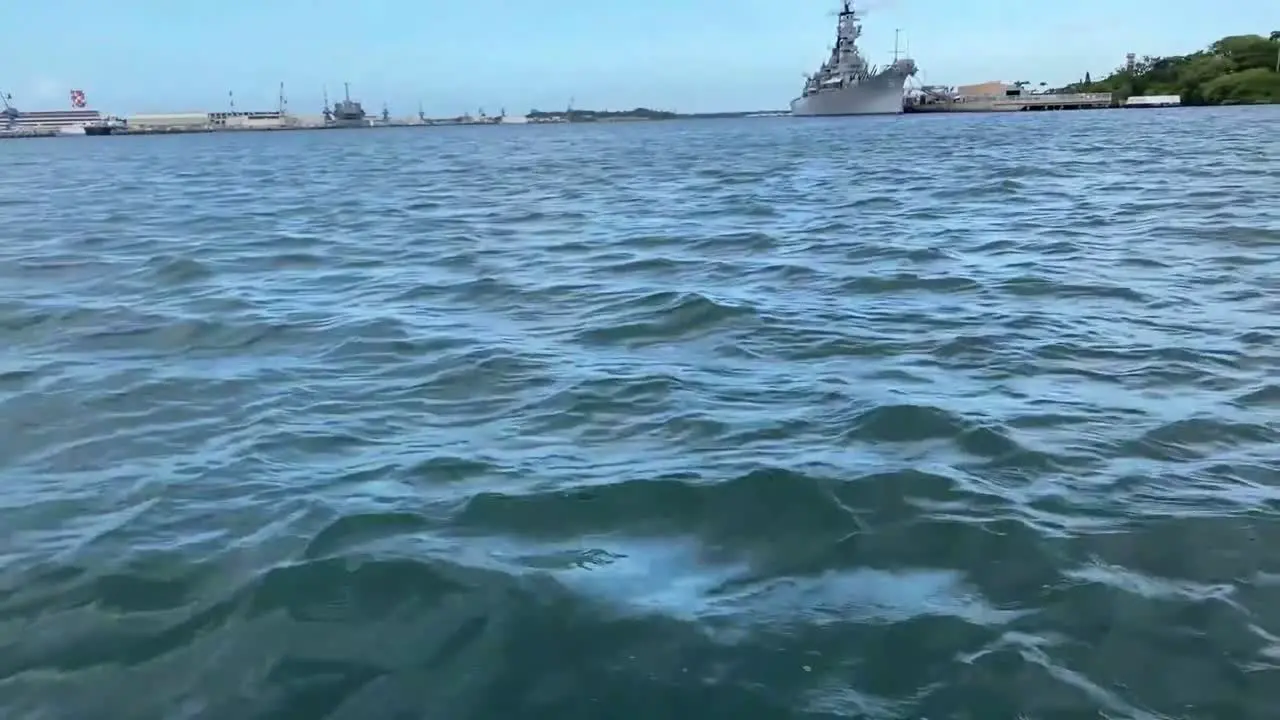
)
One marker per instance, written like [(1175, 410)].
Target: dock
[(344, 114), (1026, 103), (1153, 101), (999, 96), (153, 125)]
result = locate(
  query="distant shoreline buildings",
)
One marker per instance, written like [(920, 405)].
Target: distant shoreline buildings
[(346, 113), (79, 119)]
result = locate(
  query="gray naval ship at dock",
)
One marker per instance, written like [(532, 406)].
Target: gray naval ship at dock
[(846, 84), (345, 112)]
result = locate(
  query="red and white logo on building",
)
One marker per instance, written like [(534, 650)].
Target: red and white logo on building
[(77, 98)]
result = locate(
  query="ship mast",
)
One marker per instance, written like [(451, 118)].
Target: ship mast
[(847, 62)]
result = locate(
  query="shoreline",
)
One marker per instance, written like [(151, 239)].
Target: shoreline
[(931, 109), (308, 127)]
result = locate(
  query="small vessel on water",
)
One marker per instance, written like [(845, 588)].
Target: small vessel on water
[(108, 125), (345, 113), (846, 84)]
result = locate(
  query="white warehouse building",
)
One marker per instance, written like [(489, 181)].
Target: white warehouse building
[(167, 120), (231, 119)]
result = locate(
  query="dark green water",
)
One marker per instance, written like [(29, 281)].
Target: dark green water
[(921, 417)]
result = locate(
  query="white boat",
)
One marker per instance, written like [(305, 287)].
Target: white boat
[(846, 84)]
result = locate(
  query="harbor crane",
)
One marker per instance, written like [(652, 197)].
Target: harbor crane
[(9, 112)]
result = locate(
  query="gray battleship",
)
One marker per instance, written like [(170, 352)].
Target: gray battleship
[(846, 84)]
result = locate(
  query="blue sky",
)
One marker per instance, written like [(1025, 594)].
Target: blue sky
[(456, 55)]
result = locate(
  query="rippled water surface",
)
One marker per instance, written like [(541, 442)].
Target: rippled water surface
[(919, 417)]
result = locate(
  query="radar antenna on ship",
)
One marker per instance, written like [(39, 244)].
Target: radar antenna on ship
[(846, 8)]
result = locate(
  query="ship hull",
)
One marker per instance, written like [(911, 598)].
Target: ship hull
[(881, 95), (348, 123)]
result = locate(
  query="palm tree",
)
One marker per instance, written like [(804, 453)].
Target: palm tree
[(1275, 36)]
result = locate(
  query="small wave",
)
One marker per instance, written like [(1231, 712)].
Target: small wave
[(662, 317), (1199, 438), (177, 270)]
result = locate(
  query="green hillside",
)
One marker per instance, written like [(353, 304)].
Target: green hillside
[(1236, 70)]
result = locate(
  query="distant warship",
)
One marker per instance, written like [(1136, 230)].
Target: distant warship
[(846, 84), (345, 113)]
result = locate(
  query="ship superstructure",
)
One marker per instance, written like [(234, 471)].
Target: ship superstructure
[(846, 84), (345, 112)]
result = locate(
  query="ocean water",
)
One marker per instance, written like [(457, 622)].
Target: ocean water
[(920, 417)]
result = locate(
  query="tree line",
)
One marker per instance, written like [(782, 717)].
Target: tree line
[(1236, 70)]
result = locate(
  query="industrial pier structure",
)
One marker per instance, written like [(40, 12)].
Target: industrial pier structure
[(226, 120), (1000, 97), (231, 119), (345, 113)]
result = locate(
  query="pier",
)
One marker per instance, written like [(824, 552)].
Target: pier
[(1031, 103), (1000, 97), (344, 114)]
